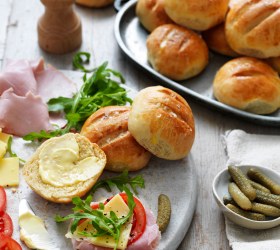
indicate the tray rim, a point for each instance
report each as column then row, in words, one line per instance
column 255, row 118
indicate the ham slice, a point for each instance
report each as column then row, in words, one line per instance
column 53, row 83
column 32, row 85
column 148, row 241
column 20, row 115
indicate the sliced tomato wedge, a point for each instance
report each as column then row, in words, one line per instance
column 139, row 218
column 6, row 225
column 7, row 243
column 3, row 199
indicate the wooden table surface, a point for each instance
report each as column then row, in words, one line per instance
column 18, row 40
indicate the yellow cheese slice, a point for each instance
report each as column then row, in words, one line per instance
column 9, row 171
column 3, row 149
column 4, row 137
column 120, row 208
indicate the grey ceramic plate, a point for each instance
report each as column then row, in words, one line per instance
column 177, row 179
column 131, row 37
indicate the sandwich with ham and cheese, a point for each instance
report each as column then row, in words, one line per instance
column 120, row 222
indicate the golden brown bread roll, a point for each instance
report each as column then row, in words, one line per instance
column 176, row 52
column 198, row 15
column 95, row 3
column 151, row 13
column 215, row 38
column 274, row 62
column 107, row 127
column 252, row 28
column 248, row 84
column 64, row 193
column 162, row 122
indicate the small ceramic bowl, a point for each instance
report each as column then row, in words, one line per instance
column 220, row 189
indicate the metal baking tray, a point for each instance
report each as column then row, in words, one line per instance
column 131, row 38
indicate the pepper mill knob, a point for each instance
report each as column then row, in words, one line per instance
column 59, row 28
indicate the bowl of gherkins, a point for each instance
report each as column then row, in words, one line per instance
column 249, row 196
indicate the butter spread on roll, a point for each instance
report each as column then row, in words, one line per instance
column 64, row 167
column 60, row 157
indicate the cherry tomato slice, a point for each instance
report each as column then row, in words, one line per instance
column 139, row 218
column 6, row 224
column 7, row 243
column 3, row 199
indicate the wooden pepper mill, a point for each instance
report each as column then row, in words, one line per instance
column 59, row 29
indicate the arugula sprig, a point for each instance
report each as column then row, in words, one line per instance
column 100, row 89
column 11, row 152
column 104, row 225
column 121, row 181
column 81, row 58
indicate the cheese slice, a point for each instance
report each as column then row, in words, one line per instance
column 3, row 149
column 33, row 231
column 4, row 137
column 9, row 171
column 117, row 205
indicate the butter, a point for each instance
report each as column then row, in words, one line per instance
column 59, row 163
column 120, row 208
column 33, row 231
column 9, row 171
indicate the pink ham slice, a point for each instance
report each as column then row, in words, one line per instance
column 148, row 241
column 53, row 83
column 20, row 115
column 19, row 76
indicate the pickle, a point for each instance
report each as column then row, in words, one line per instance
column 260, row 187
column 239, row 197
column 164, row 212
column 249, row 215
column 242, row 182
column 265, row 209
column 259, row 177
column 229, row 200
column 269, row 199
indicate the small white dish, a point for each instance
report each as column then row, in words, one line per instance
column 220, row 189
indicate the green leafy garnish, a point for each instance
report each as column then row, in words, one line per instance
column 10, row 151
column 103, row 225
column 99, row 90
column 78, row 61
column 121, row 181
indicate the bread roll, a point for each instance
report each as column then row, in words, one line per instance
column 274, row 62
column 63, row 194
column 95, row 3
column 151, row 13
column 215, row 38
column 162, row 122
column 198, row 15
column 176, row 52
column 248, row 84
column 252, row 28
column 108, row 128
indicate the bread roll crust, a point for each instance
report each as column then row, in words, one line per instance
column 248, row 84
column 274, row 62
column 108, row 127
column 176, row 52
column 198, row 15
column 215, row 38
column 151, row 14
column 252, row 28
column 62, row 194
column 162, row 122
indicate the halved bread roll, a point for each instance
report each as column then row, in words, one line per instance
column 108, row 127
column 162, row 122
column 274, row 62
column 252, row 28
column 248, row 84
column 47, row 177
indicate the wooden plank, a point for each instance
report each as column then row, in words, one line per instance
column 5, row 11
